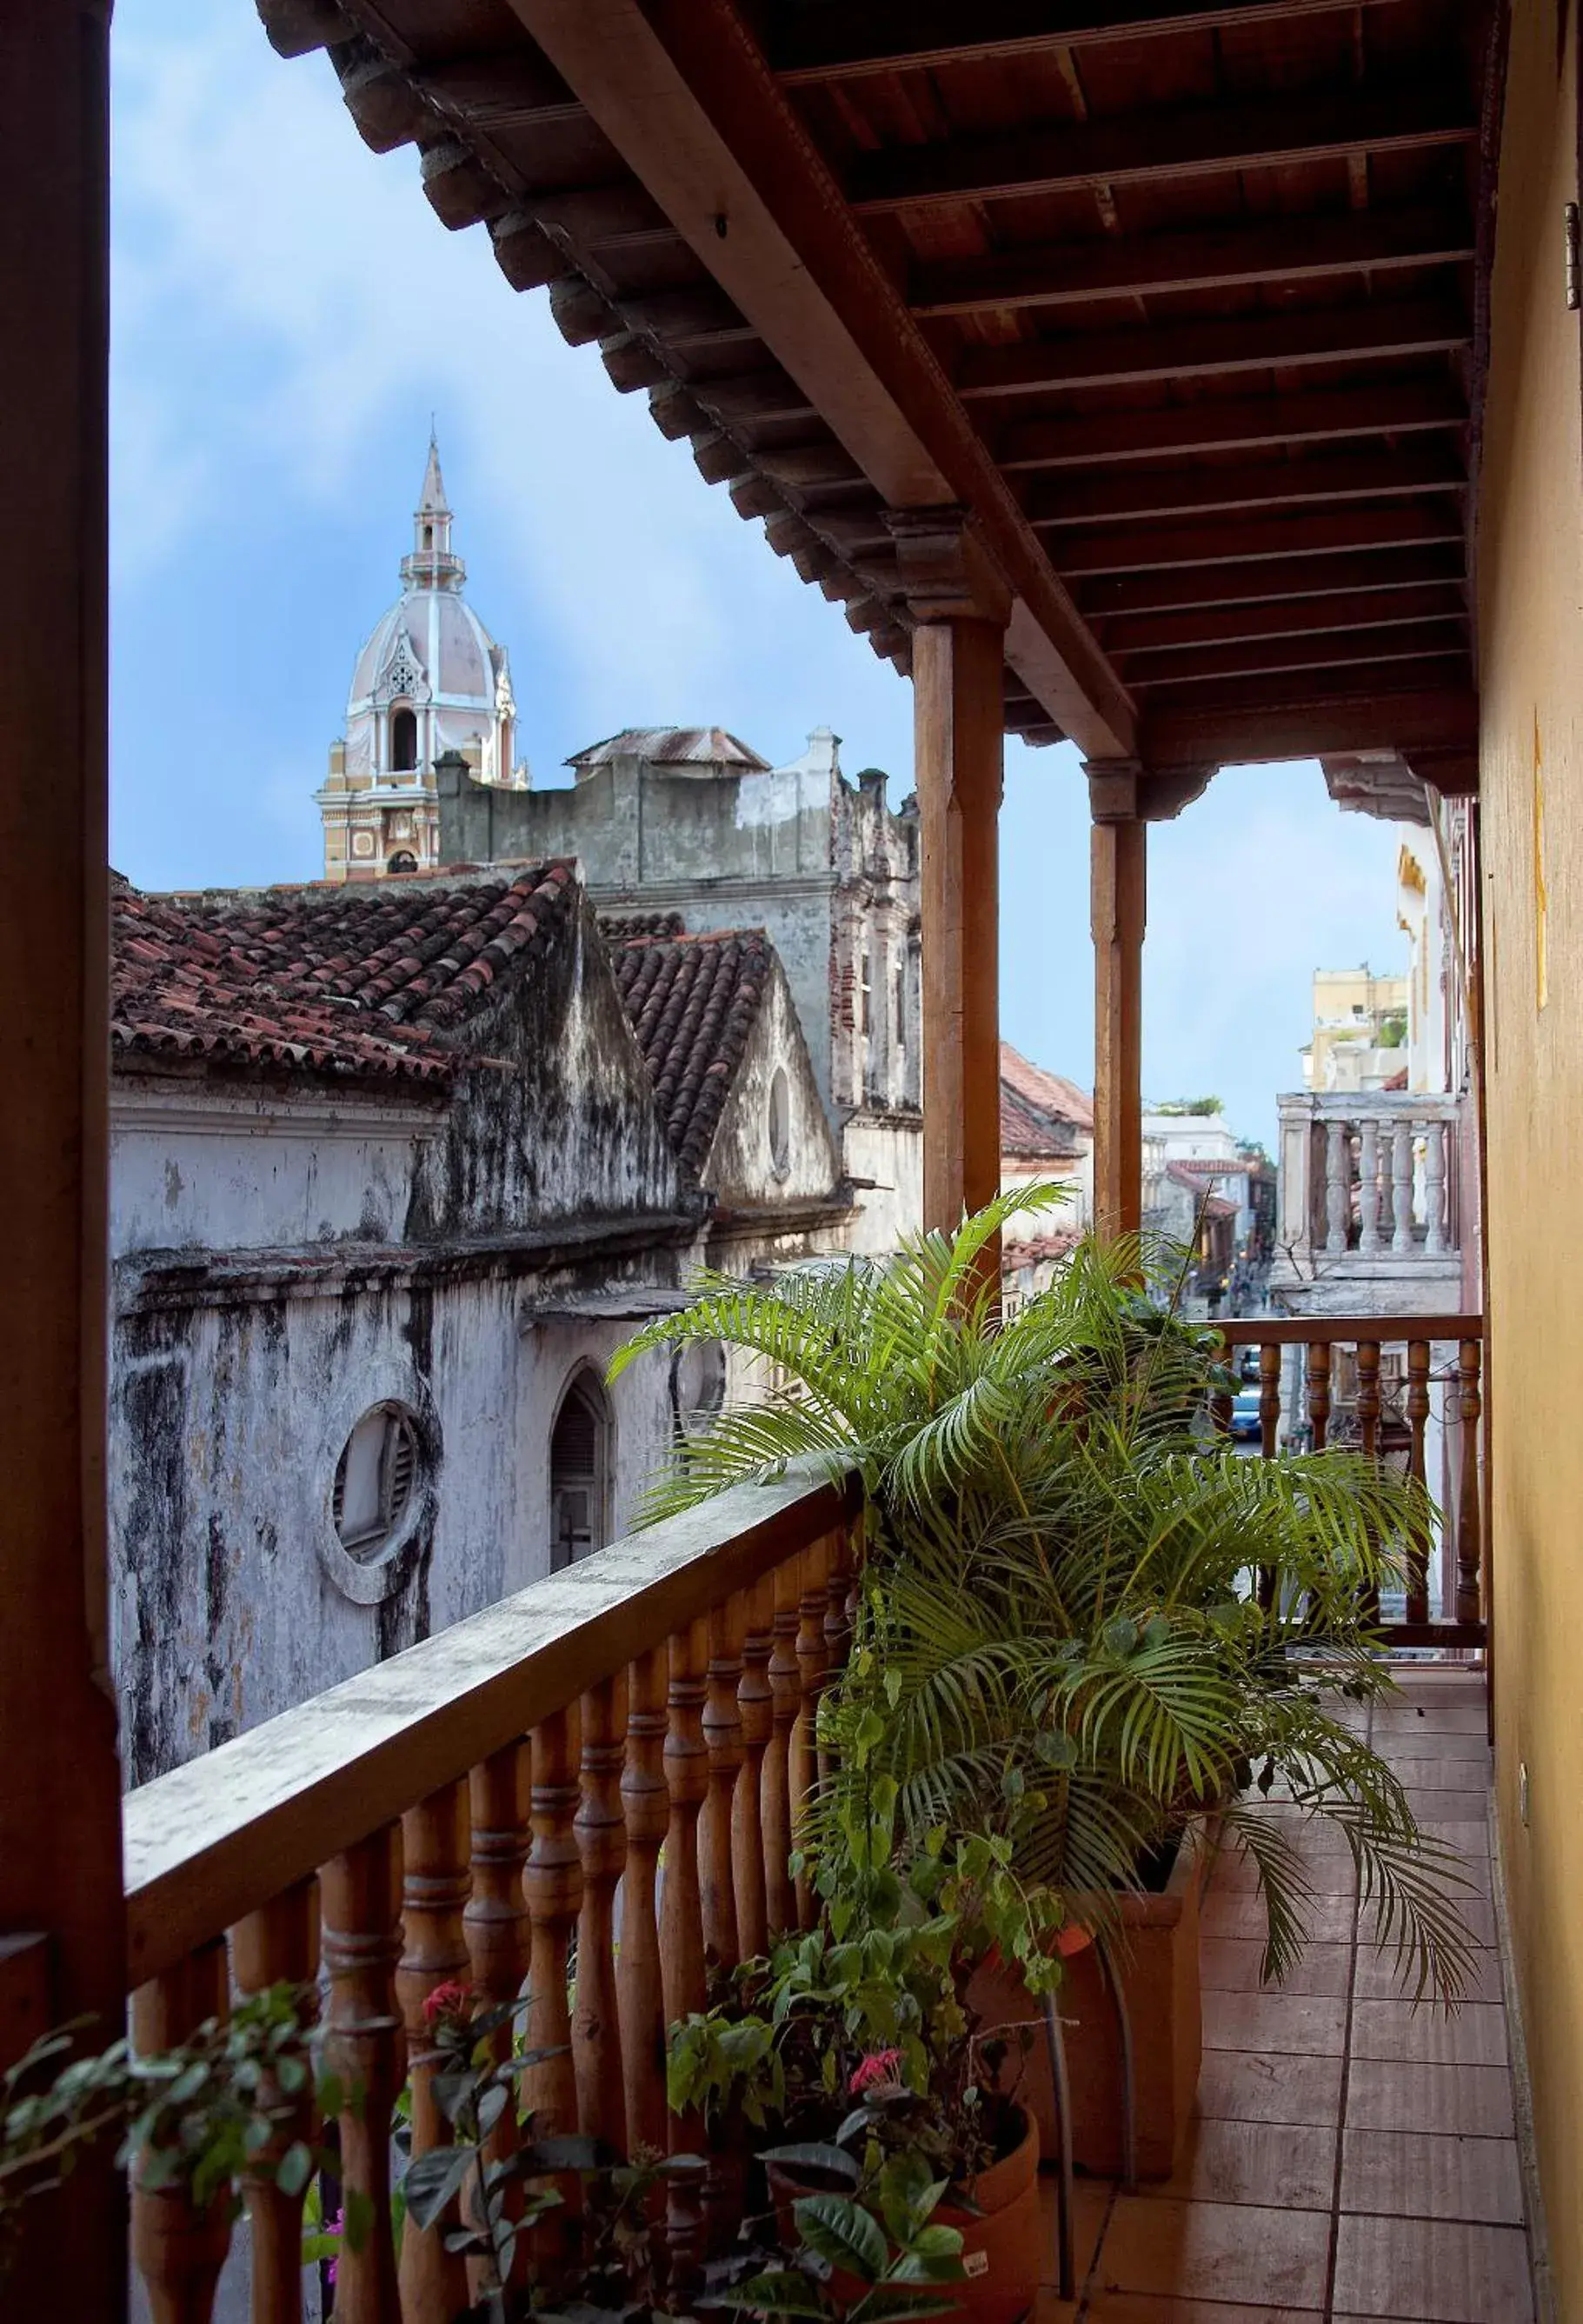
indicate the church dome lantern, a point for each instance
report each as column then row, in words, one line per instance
column 429, row 678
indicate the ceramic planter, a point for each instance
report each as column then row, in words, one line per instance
column 1004, row 2244
column 1159, row 1969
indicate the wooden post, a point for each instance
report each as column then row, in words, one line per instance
column 962, row 608
column 60, row 1782
column 1118, row 894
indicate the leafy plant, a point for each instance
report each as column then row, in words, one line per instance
column 883, row 2240
column 1084, row 1619
column 197, row 2117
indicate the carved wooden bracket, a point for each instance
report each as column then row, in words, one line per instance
column 945, row 572
column 1124, row 790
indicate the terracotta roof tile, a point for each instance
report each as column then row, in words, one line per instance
column 366, row 981
column 621, row 928
column 694, row 1001
column 1032, row 1133
column 1052, row 1093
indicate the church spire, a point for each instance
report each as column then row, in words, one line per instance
column 432, row 564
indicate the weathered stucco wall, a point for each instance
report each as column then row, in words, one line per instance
column 741, row 1168
column 1531, row 652
column 231, row 1597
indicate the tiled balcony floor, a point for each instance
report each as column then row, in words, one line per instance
column 1353, row 2160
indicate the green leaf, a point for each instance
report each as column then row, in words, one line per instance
column 295, row 2168
column 811, row 2155
column 434, row 2180
column 844, row 2234
column 779, row 2292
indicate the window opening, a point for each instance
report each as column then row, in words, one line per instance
column 404, row 741
column 578, row 1462
column 374, row 1480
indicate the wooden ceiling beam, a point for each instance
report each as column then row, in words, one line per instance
column 1269, row 132
column 842, row 41
column 1206, row 258
column 1326, row 650
column 682, row 91
column 1368, row 332
column 1390, row 709
column 1125, row 495
column 1190, row 589
column 1430, row 521
column 1133, row 640
column 1391, row 408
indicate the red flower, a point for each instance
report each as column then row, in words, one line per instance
column 878, row 2066
column 447, row 2000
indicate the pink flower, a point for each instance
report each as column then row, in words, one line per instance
column 447, row 2000
column 337, row 2228
column 878, row 2066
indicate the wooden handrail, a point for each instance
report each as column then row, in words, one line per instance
column 219, row 1838
column 1330, row 1331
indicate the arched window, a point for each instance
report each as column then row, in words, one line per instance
column 404, row 740
column 403, row 859
column 579, row 1458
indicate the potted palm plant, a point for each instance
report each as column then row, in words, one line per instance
column 1084, row 1621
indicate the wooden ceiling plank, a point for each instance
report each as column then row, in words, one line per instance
column 1377, row 330
column 1430, row 521
column 1404, row 714
column 843, row 42
column 1134, row 639
column 1282, row 250
column 1328, row 650
column 1390, row 408
column 1269, row 132
column 683, row 93
column 1120, row 496
column 1188, row 590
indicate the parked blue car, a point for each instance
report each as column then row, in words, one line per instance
column 1246, row 1425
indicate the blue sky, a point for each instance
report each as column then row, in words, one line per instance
column 288, row 312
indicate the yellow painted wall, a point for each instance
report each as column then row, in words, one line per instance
column 1531, row 652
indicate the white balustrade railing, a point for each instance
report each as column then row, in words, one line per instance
column 1370, row 1174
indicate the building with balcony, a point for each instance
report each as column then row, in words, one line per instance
column 1192, row 387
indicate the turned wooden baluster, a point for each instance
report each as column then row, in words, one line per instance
column 754, row 1702
column 1368, row 1429
column 645, row 1802
column 1318, row 1392
column 1269, row 1422
column 723, row 1736
column 1221, row 1400
column 435, row 1888
column 785, row 1689
column 681, row 1909
column 1469, row 1520
column 179, row 2250
column 278, row 1945
column 359, row 1899
column 497, row 1928
column 838, row 1621
column 812, row 1602
column 1417, row 1420
column 552, row 1884
column 602, row 1845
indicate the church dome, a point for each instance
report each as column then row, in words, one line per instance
column 428, row 679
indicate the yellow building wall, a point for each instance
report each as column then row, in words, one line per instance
column 1531, row 656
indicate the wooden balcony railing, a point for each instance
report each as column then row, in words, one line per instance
column 1387, row 1387
column 467, row 1810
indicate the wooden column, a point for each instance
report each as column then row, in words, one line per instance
column 962, row 609
column 59, row 1782
column 1116, row 894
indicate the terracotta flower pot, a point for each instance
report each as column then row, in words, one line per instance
column 1005, row 2248
column 1157, row 1956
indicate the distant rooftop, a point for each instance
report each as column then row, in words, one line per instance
column 672, row 746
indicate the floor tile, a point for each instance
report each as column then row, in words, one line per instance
column 1313, row 2024
column 1090, row 2209
column 1405, row 2173
column 1243, row 2086
column 1231, row 2252
column 1288, row 2165
column 1467, row 2101
column 1328, row 1872
column 1449, row 1806
column 1478, row 1912
column 1434, row 1774
column 1231, row 1965
column 1135, row 2308
column 1473, row 2035
column 1379, row 1980
column 1427, row 1719
column 1327, row 1920
column 1432, row 2269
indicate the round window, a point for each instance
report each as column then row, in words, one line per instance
column 375, row 1478
column 780, row 1123
column 698, row 1382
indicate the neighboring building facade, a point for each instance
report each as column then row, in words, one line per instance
column 429, row 678
column 691, row 820
column 1359, row 1030
column 394, row 1171
column 1046, row 1132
